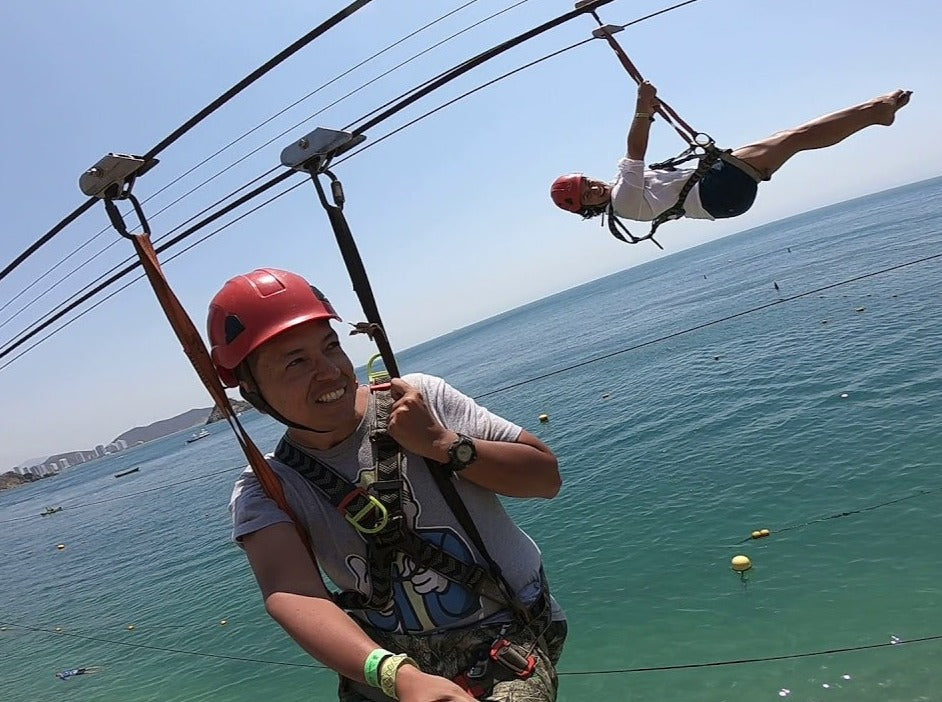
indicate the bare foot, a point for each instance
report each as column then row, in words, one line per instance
column 887, row 105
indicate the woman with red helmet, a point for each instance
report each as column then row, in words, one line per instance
column 417, row 618
column 726, row 190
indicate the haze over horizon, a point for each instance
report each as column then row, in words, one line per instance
column 451, row 215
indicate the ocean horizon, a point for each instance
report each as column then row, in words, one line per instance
column 786, row 377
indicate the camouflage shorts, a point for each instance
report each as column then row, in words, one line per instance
column 451, row 653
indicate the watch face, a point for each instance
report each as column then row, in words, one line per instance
column 464, row 452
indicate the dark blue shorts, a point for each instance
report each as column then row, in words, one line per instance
column 726, row 191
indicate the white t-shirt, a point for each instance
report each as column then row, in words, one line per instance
column 642, row 195
column 423, row 600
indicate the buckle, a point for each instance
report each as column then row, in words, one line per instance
column 372, row 505
column 510, row 658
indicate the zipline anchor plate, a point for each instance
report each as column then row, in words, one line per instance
column 113, row 175
column 600, row 32
column 314, row 151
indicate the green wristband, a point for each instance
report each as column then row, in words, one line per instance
column 372, row 665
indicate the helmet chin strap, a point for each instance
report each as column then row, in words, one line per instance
column 255, row 398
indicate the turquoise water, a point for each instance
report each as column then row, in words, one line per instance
column 672, row 452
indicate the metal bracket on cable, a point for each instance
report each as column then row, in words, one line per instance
column 314, row 152
column 113, row 176
column 606, row 29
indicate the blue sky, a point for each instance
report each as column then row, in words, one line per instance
column 451, row 215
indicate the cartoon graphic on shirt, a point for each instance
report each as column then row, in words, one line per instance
column 422, row 599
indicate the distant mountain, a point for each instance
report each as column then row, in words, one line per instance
column 192, row 418
column 12, row 480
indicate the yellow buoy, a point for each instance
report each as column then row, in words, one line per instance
column 757, row 535
column 544, row 417
column 130, row 627
column 741, row 563
column 60, row 546
column 223, row 622
column 764, row 532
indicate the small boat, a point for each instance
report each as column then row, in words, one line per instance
column 50, row 510
column 127, row 472
column 202, row 434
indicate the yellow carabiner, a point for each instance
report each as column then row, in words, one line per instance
column 376, row 377
column 373, row 504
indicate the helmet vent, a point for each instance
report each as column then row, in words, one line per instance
column 234, row 327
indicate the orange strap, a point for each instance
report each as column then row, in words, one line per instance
column 665, row 110
column 199, row 357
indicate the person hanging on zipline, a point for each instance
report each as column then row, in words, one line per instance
column 395, row 488
column 727, row 187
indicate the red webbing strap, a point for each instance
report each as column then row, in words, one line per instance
column 665, row 110
column 195, row 350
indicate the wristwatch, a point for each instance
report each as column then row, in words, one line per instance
column 461, row 453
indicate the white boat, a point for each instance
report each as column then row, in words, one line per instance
column 202, row 434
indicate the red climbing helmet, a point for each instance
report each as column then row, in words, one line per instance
column 567, row 191
column 252, row 308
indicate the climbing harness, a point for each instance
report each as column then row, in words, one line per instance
column 376, row 513
column 699, row 146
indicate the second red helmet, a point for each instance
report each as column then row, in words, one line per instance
column 567, row 190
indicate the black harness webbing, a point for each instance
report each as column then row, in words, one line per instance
column 376, row 513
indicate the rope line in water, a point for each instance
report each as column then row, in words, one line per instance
column 611, row 671
column 556, row 372
column 711, row 323
column 848, row 513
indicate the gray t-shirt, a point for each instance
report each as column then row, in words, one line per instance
column 423, row 600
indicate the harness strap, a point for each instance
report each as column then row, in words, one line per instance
column 676, row 211
column 376, row 514
column 686, row 132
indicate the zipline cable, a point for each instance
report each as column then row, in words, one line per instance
column 425, row 89
column 464, row 67
column 259, row 148
column 328, row 24
column 128, row 259
column 612, row 671
column 128, row 269
column 281, row 177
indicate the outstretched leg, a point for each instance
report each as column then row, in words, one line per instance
column 770, row 154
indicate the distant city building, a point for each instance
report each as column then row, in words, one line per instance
column 63, row 463
column 121, row 444
column 100, row 450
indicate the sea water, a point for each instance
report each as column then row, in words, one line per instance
column 787, row 378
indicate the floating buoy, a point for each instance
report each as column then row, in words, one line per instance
column 58, row 629
column 130, row 627
column 544, row 417
column 757, row 534
column 605, row 395
column 741, row 563
column 860, row 309
column 844, row 394
column 764, row 532
column 223, row 622
column 60, row 546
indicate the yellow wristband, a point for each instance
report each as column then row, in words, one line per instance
column 388, row 671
